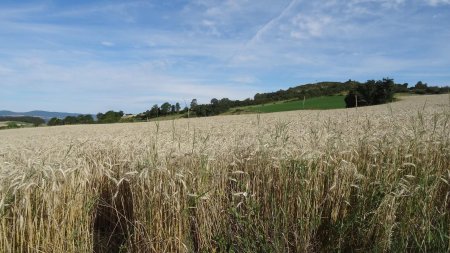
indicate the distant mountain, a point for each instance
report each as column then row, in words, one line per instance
column 41, row 114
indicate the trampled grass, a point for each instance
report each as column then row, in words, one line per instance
column 373, row 179
column 326, row 102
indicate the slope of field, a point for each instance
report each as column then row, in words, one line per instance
column 367, row 179
column 326, row 102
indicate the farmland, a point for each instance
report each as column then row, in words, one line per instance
column 325, row 102
column 362, row 179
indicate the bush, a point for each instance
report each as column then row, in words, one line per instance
column 12, row 125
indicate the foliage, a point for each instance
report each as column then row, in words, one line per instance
column 109, row 117
column 423, row 88
column 36, row 121
column 307, row 90
column 55, row 122
column 371, row 93
column 165, row 109
column 72, row 120
column 12, row 125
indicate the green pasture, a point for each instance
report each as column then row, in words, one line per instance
column 317, row 103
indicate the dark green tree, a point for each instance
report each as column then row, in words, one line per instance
column 165, row 108
column 109, row 117
column 55, row 122
column 70, row 120
column 85, row 119
column 154, row 112
column 194, row 104
column 371, row 93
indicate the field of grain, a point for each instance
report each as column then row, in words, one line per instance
column 365, row 179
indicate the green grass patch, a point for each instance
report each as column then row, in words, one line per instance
column 404, row 94
column 318, row 103
column 14, row 124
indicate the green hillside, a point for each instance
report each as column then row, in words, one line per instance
column 324, row 102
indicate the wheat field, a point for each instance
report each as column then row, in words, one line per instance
column 370, row 179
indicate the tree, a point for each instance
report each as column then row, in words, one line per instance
column 214, row 101
column 109, row 117
column 384, row 91
column 154, row 112
column 70, row 120
column 194, row 104
column 177, row 107
column 371, row 93
column 165, row 108
column 54, row 122
column 420, row 85
column 85, row 119
column 350, row 99
column 99, row 116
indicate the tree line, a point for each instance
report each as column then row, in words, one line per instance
column 369, row 93
column 108, row 117
column 71, row 120
column 382, row 91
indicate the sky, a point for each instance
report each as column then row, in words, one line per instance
column 93, row 56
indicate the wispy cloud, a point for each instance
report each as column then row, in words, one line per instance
column 437, row 2
column 266, row 27
column 107, row 43
column 309, row 26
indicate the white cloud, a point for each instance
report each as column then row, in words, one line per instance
column 123, row 11
column 107, row 43
column 437, row 2
column 244, row 79
column 5, row 70
column 211, row 26
column 305, row 27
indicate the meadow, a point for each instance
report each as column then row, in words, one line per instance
column 371, row 179
column 324, row 102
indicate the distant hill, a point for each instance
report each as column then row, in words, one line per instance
column 310, row 90
column 41, row 114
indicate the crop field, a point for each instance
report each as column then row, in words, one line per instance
column 372, row 179
column 326, row 102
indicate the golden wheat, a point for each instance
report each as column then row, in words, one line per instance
column 374, row 178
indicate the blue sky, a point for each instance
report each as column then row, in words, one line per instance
column 93, row 56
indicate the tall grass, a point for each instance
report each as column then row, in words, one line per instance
column 358, row 183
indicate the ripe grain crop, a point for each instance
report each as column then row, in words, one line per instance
column 366, row 179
